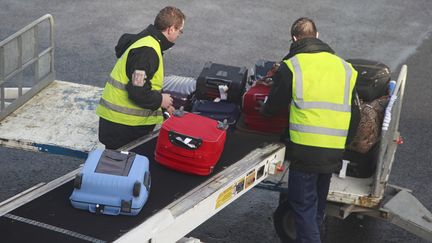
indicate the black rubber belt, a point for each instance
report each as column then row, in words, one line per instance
column 53, row 228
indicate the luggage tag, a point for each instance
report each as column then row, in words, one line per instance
column 223, row 92
column 342, row 172
column 184, row 141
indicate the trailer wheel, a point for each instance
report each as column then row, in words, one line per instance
column 283, row 220
column 136, row 189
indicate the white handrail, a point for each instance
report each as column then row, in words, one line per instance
column 17, row 62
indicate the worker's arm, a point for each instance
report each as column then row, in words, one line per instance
column 146, row 59
column 280, row 92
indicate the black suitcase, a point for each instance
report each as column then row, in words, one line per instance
column 372, row 79
column 361, row 165
column 213, row 75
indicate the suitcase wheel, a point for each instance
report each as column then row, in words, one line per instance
column 126, row 206
column 78, row 181
column 147, row 180
column 136, row 189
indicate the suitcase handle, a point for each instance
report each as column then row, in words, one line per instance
column 260, row 100
column 118, row 156
column 184, row 141
column 114, row 155
column 217, row 81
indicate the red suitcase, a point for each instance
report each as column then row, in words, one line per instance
column 251, row 112
column 190, row 143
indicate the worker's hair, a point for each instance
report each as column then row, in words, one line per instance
column 168, row 17
column 303, row 27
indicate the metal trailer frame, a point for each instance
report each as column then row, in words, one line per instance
column 373, row 196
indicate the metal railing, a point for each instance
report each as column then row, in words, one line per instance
column 389, row 136
column 19, row 53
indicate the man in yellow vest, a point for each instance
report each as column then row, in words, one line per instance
column 132, row 101
column 318, row 87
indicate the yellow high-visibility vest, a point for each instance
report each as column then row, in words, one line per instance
column 115, row 106
column 320, row 110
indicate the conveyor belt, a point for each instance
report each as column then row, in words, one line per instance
column 51, row 218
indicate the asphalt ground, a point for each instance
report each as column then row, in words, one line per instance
column 239, row 33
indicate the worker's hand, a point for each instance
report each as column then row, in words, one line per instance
column 262, row 109
column 264, row 81
column 167, row 101
column 170, row 109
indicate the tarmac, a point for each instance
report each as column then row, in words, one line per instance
column 240, row 33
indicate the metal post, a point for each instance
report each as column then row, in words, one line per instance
column 2, row 68
column 20, row 64
column 35, row 55
column 51, row 20
column 388, row 140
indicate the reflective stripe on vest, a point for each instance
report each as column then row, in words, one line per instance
column 129, row 111
column 117, row 84
column 121, row 86
column 345, row 107
column 319, row 130
column 319, row 118
column 115, row 104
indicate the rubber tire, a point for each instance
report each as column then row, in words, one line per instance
column 283, row 220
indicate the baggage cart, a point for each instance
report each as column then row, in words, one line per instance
column 372, row 196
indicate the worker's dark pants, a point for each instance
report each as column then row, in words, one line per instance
column 307, row 194
column 114, row 135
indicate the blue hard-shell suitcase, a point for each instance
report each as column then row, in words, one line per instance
column 112, row 182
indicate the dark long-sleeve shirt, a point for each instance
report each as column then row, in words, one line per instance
column 280, row 94
column 146, row 59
